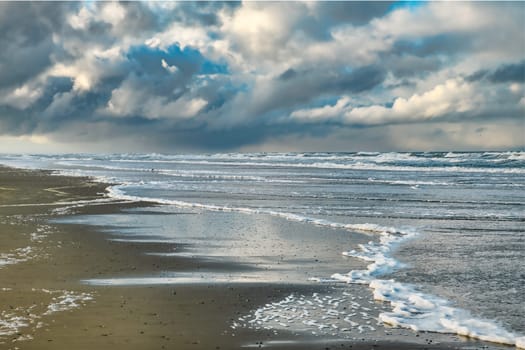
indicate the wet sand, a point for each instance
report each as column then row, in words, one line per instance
column 41, row 287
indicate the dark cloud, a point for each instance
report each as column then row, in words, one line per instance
column 12, row 123
column 217, row 91
column 205, row 13
column 158, row 135
column 26, row 38
column 139, row 18
column 333, row 13
column 54, row 86
column 400, row 83
column 478, row 75
column 404, row 66
column 431, row 45
column 242, row 136
column 354, row 12
column 20, row 63
column 288, row 74
column 424, row 55
column 358, row 80
column 304, row 87
column 506, row 73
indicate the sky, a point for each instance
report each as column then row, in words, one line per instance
column 179, row 77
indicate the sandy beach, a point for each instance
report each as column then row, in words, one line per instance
column 45, row 305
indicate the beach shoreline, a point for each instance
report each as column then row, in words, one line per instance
column 49, row 306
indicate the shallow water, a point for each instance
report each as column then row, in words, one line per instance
column 447, row 226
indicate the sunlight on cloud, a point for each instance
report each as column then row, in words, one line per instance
column 23, row 96
column 184, row 36
column 166, row 66
column 454, row 96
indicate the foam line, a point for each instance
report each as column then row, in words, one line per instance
column 117, row 193
column 350, row 166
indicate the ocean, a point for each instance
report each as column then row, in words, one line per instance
column 436, row 238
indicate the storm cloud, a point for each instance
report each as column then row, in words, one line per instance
column 512, row 72
column 214, row 76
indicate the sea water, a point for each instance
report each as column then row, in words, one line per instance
column 438, row 237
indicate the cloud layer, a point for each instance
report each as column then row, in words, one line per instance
column 193, row 76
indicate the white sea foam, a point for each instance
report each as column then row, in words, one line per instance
column 411, row 308
column 423, row 312
column 359, row 161
column 15, row 319
column 16, row 256
column 337, row 315
column 453, row 155
column 410, row 182
column 394, row 157
column 277, row 159
column 517, row 156
column 80, row 204
column 359, row 165
column 11, row 323
column 67, row 300
column 210, row 175
column 40, row 234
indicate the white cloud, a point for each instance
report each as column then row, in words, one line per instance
column 431, row 19
column 452, row 97
column 166, row 66
column 180, row 34
column 516, row 88
column 109, row 12
column 87, row 70
column 130, row 101
column 113, row 13
column 61, row 104
column 80, row 20
column 490, row 30
column 182, row 108
column 320, row 114
column 260, row 28
column 23, row 96
column 125, row 101
column 270, row 39
column 82, row 77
